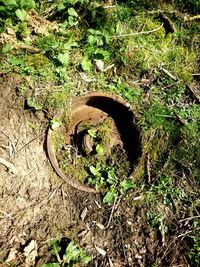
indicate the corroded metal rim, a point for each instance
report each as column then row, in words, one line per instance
column 77, row 102
column 54, row 163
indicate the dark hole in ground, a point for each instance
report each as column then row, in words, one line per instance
column 125, row 122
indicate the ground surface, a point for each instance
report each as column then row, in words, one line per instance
column 28, row 199
column 37, row 206
column 148, row 53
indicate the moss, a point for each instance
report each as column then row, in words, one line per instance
column 104, row 131
column 58, row 141
column 149, row 51
column 41, row 66
column 77, row 166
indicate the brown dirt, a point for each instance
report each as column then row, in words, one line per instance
column 37, row 206
column 28, row 200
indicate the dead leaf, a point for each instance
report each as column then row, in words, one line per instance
column 12, row 255
column 100, row 250
column 99, row 65
column 30, row 252
column 10, row 31
column 84, row 213
column 85, row 77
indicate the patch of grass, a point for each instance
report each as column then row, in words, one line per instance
column 58, row 97
column 171, row 93
column 131, row 94
column 191, row 5
column 165, row 191
column 152, row 51
column 150, row 70
column 154, row 219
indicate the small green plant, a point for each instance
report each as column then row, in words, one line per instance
column 55, row 123
column 106, row 177
column 92, row 133
column 99, row 149
column 72, row 255
column 154, row 218
column 16, row 9
column 33, row 104
column 194, row 252
column 22, row 90
column 86, row 64
column 165, row 191
column 6, row 48
column 98, row 146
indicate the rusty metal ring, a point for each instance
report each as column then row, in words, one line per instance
column 123, row 115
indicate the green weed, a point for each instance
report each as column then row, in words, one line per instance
column 194, row 253
column 106, row 176
column 16, row 9
column 168, row 117
column 72, row 255
column 165, row 191
column 154, row 218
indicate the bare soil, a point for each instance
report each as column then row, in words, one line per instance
column 37, row 206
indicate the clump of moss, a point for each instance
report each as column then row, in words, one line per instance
column 72, row 158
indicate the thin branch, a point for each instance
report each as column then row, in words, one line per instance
column 188, row 265
column 168, row 73
column 148, row 168
column 122, row 241
column 29, row 48
column 24, row 146
column 11, row 168
column 138, row 33
column 194, row 89
column 111, row 6
column 190, row 218
column 194, row 18
column 185, row 233
column 112, row 211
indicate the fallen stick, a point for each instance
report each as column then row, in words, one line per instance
column 138, row 33
column 168, row 73
column 11, row 168
column 194, row 18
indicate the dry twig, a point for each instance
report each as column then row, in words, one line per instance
column 138, row 33
column 112, row 211
column 24, row 146
column 194, row 18
column 189, row 218
column 11, row 168
column 195, row 90
column 148, row 168
column 168, row 73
